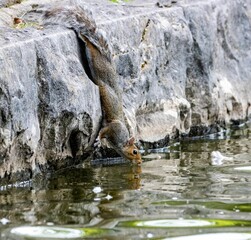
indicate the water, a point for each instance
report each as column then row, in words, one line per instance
column 179, row 192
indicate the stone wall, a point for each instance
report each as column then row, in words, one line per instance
column 184, row 69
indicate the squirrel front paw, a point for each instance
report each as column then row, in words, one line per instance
column 97, row 143
column 101, row 143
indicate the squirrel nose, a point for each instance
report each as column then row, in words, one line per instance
column 139, row 161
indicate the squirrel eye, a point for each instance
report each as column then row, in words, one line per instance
column 135, row 152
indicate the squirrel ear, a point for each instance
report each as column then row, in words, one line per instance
column 131, row 141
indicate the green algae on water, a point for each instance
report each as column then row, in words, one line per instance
column 184, row 223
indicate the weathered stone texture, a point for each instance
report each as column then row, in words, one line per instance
column 49, row 109
column 182, row 68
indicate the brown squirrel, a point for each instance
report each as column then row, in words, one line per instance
column 103, row 74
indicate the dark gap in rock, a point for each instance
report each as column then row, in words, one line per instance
column 75, row 141
column 84, row 59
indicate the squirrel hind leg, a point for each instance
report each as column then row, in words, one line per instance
column 103, row 132
column 104, row 143
column 102, row 137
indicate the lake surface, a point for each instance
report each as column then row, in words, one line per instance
column 194, row 189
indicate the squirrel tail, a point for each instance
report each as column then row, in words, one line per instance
column 79, row 19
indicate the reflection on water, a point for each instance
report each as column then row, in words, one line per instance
column 179, row 185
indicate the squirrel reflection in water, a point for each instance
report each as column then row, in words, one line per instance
column 134, row 177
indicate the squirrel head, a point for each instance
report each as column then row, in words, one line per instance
column 131, row 152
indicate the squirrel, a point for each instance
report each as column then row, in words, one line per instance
column 103, row 74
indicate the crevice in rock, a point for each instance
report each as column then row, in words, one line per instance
column 5, row 115
column 75, row 140
column 43, row 95
column 145, row 30
column 84, row 59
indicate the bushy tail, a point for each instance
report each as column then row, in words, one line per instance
column 81, row 20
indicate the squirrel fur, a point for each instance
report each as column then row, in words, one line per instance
column 103, row 74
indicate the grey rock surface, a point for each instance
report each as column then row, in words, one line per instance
column 184, row 67
column 49, row 109
column 6, row 3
